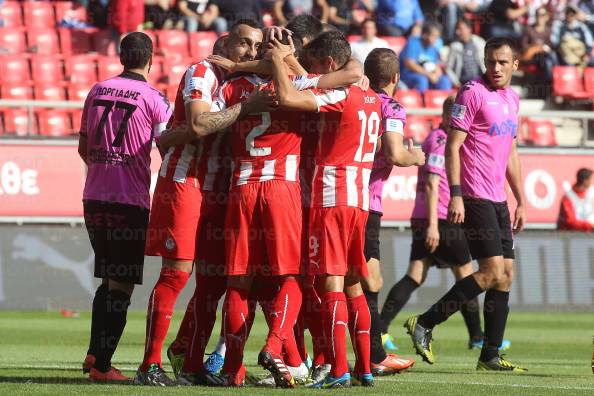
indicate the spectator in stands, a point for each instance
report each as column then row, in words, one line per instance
column 369, row 41
column 125, row 16
column 340, row 14
column 97, row 13
column 160, row 14
column 572, row 39
column 420, row 63
column 191, row 11
column 306, row 26
column 577, row 206
column 537, row 48
column 586, row 14
column 284, row 10
column 466, row 57
column 503, row 19
column 399, row 17
column 220, row 14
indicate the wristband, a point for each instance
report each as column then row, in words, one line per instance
column 455, row 191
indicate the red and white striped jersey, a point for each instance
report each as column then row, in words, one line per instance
column 265, row 146
column 350, row 129
column 181, row 163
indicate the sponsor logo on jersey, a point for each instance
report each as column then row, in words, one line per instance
column 369, row 99
column 507, row 127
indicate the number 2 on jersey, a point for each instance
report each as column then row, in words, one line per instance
column 369, row 127
column 108, row 104
column 250, row 144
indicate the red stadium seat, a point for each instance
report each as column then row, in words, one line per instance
column 17, row 122
column 54, row 122
column 409, row 98
column 109, row 66
column 541, row 133
column 47, row 69
column 568, row 83
column 201, row 44
column 14, row 69
column 18, row 91
column 173, row 42
column 11, row 14
column 171, row 92
column 76, row 116
column 70, row 10
column 49, row 91
column 434, row 98
column 75, row 41
column 156, row 73
column 13, row 40
column 38, row 14
column 354, row 38
column 152, row 35
column 43, row 41
column 417, row 128
column 589, row 80
column 395, row 43
column 81, row 69
column 174, row 71
column 79, row 92
column 104, row 43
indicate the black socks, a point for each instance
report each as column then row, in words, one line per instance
column 397, row 298
column 472, row 318
column 378, row 354
column 116, row 309
column 495, row 313
column 97, row 319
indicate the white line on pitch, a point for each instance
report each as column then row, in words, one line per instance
column 484, row 384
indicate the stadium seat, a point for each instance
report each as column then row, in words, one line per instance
column 69, row 9
column 395, row 43
column 54, row 122
column 78, row 92
column 81, row 69
column 16, row 122
column 38, row 14
column 152, row 35
column 49, row 91
column 75, row 41
column 47, row 69
column 104, row 43
column 568, row 83
column 417, row 128
column 170, row 91
column 18, row 91
column 12, row 40
column 409, row 98
column 109, row 66
column 434, row 98
column 155, row 75
column 173, row 42
column 201, row 44
column 174, row 71
column 76, row 116
column 589, row 80
column 14, row 69
column 541, row 133
column 43, row 41
column 11, row 13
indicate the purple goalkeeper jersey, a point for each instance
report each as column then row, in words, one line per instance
column 393, row 121
column 490, row 118
column 121, row 117
column 434, row 149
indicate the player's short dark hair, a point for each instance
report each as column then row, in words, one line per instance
column 380, row 66
column 249, row 22
column 328, row 27
column 136, row 50
column 430, row 26
column 306, row 26
column 582, row 175
column 297, row 43
column 497, row 42
column 332, row 44
column 218, row 47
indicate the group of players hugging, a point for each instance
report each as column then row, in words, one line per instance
column 270, row 188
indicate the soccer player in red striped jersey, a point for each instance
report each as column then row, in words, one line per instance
column 340, row 199
column 177, row 200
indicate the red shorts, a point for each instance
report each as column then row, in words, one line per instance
column 336, row 240
column 264, row 229
column 173, row 223
column 210, row 240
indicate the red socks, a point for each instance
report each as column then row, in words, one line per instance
column 359, row 327
column 180, row 344
column 312, row 312
column 209, row 289
column 283, row 312
column 336, row 316
column 160, row 310
column 235, row 321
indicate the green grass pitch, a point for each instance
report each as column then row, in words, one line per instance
column 41, row 353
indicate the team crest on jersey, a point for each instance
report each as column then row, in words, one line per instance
column 244, row 94
column 458, row 111
column 441, row 140
column 169, row 244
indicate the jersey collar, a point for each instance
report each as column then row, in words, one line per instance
column 132, row 75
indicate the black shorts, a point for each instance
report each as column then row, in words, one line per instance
column 452, row 249
column 118, row 234
column 372, row 231
column 488, row 228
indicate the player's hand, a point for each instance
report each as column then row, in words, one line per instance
column 456, row 210
column 519, row 219
column 418, row 154
column 223, row 62
column 261, row 101
column 275, row 32
column 281, row 50
column 363, row 83
column 432, row 238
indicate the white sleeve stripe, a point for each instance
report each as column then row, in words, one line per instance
column 187, row 78
column 330, row 97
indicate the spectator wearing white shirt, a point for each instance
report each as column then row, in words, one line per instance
column 368, row 41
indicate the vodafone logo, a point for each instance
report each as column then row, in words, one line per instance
column 540, row 189
column 400, row 188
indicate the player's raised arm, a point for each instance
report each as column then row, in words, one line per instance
column 351, row 73
column 397, row 154
column 513, row 175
